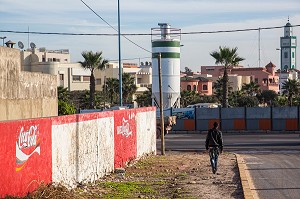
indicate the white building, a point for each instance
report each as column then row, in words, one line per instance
column 56, row 62
column 142, row 75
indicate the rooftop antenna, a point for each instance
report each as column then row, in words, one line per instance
column 28, row 37
column 21, row 45
column 32, row 45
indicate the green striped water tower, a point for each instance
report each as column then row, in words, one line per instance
column 166, row 41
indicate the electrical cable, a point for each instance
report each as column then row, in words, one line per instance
column 143, row 34
column 113, row 27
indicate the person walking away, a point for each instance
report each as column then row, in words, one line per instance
column 214, row 145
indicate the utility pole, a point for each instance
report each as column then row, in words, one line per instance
column 162, row 125
column 258, row 47
column 120, row 64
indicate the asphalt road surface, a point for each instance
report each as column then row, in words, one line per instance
column 273, row 160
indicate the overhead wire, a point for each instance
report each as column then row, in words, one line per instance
column 142, row 34
column 114, row 28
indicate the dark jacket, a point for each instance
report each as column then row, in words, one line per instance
column 214, row 138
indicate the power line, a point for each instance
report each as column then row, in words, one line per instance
column 143, row 34
column 112, row 60
column 113, row 27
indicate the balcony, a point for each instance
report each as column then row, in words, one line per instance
column 143, row 85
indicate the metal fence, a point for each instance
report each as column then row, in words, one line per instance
column 237, row 119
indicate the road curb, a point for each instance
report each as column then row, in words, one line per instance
column 245, row 179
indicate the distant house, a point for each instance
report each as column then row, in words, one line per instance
column 200, row 85
column 265, row 77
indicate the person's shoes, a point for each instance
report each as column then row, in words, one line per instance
column 214, row 170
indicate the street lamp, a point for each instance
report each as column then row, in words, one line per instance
column 120, row 66
column 3, row 40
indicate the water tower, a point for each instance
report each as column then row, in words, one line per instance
column 166, row 41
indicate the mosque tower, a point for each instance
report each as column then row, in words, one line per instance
column 288, row 45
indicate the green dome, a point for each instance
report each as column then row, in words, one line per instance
column 288, row 24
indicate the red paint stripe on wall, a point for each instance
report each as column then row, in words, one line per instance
column 264, row 124
column 26, row 156
column 80, row 117
column 239, row 124
column 189, row 124
column 124, row 137
column 291, row 124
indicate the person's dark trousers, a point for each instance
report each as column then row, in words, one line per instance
column 214, row 154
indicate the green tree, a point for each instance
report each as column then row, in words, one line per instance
column 227, row 57
column 65, row 106
column 248, row 101
column 112, row 88
column 207, row 99
column 144, row 99
column 280, row 101
column 218, row 89
column 291, row 89
column 251, row 89
column 93, row 61
column 267, row 96
column 234, row 97
column 128, row 87
column 188, row 97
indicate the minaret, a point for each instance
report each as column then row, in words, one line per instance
column 288, row 44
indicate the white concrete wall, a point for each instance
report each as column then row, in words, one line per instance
column 82, row 151
column 146, row 132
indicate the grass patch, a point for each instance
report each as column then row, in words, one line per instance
column 127, row 189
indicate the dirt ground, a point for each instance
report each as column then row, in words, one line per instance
column 175, row 175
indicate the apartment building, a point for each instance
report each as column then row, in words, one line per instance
column 56, row 62
column 200, row 85
column 142, row 74
column 265, row 77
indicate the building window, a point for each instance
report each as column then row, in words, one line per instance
column 61, row 77
column 194, row 87
column 210, row 69
column 293, row 55
column 256, row 80
column 86, row 78
column 49, row 59
column 98, row 81
column 286, row 55
column 66, row 60
column 76, row 78
column 189, row 88
column 205, row 87
column 43, row 59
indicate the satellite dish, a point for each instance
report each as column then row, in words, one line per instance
column 32, row 45
column 21, row 45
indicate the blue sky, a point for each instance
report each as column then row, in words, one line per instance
column 139, row 16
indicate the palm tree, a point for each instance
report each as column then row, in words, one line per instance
column 227, row 57
column 218, row 88
column 128, row 87
column 251, row 89
column 145, row 99
column 93, row 61
column 291, row 89
column 112, row 87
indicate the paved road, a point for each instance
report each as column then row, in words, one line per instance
column 273, row 160
column 275, row 176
